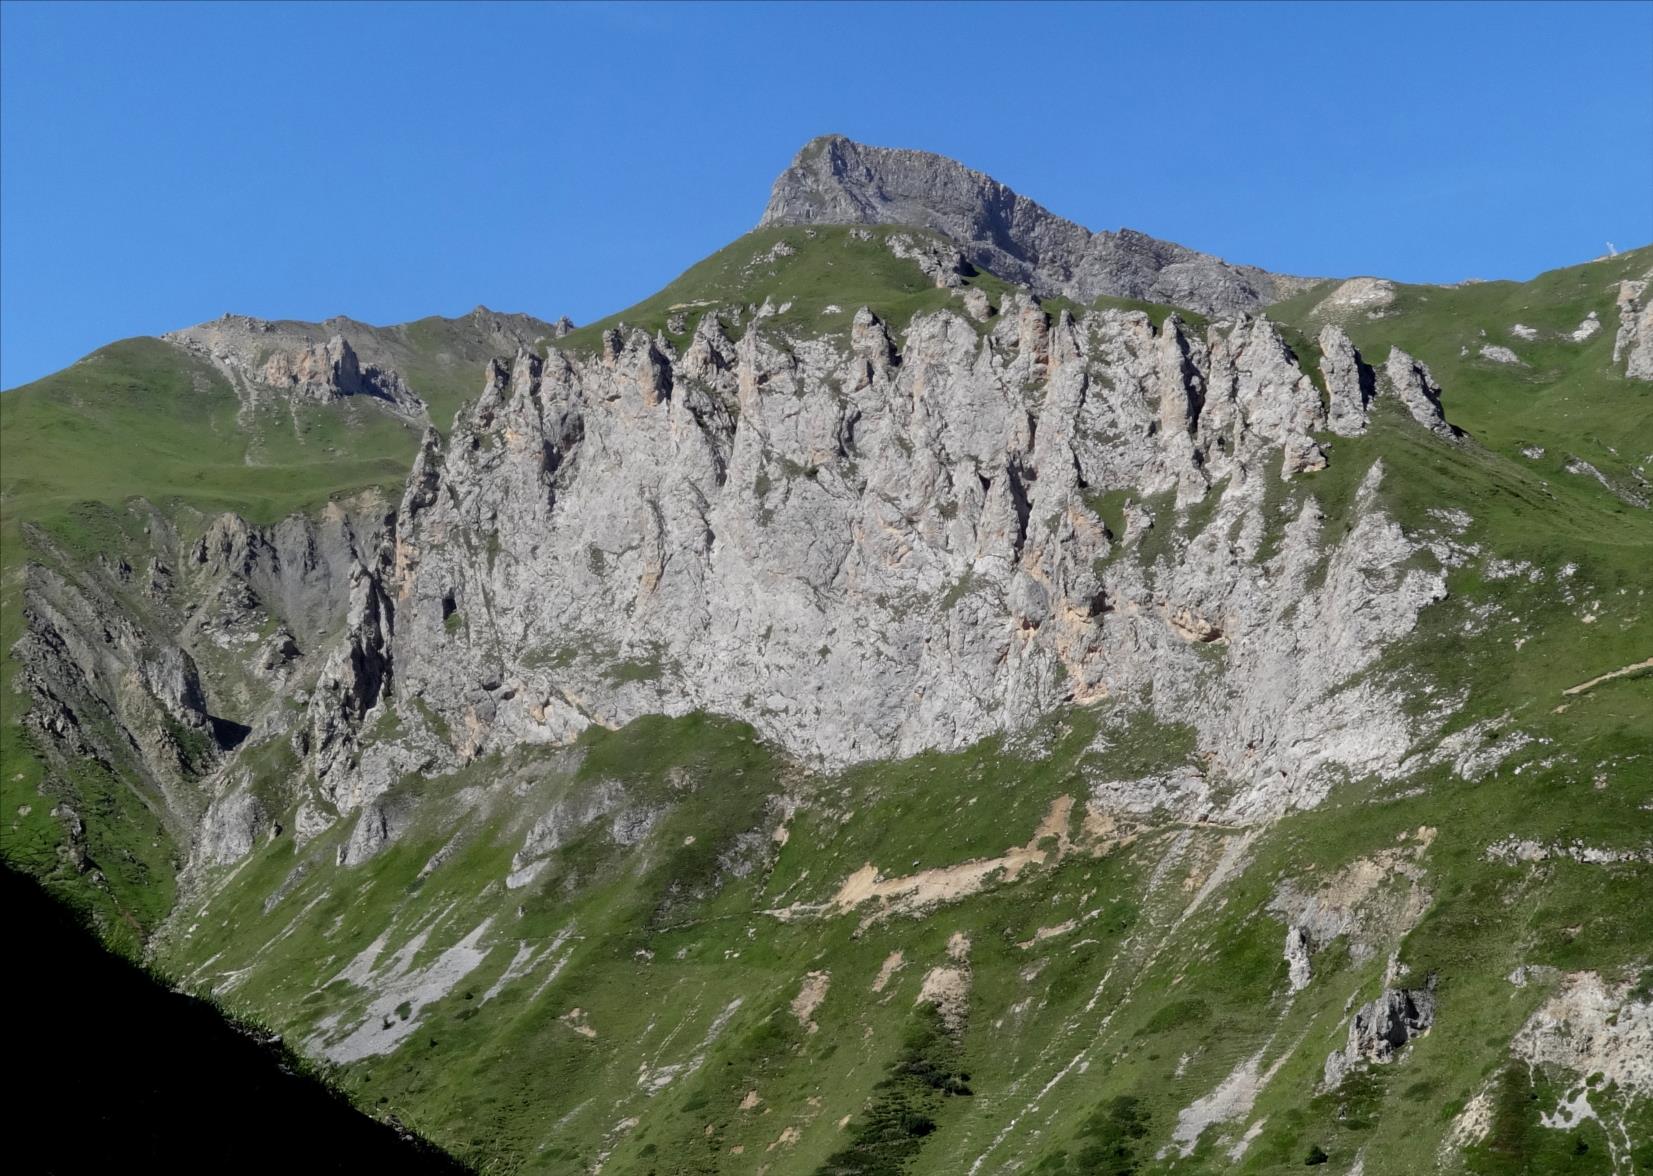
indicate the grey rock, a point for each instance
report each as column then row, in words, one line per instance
column 941, row 263
column 310, row 821
column 1139, row 520
column 355, row 677
column 105, row 686
column 231, row 827
column 865, row 548
column 297, row 570
column 1380, row 1030
column 869, row 550
column 1350, row 383
column 976, row 305
column 1587, row 329
column 836, row 181
column 266, row 361
column 378, row 826
column 1633, row 344
column 569, row 816
column 866, row 545
column 73, row 849
column 161, row 679
column 1368, row 297
column 1299, row 967
column 1411, row 382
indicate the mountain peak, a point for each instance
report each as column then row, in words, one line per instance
column 835, row 180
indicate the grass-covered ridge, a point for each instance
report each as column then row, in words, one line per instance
column 1564, row 396
column 142, row 418
column 814, row 279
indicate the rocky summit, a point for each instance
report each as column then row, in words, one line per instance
column 935, row 689
column 837, row 181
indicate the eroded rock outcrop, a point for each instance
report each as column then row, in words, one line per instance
column 1380, row 1030
column 1357, row 297
column 869, row 550
column 1350, row 384
column 297, row 570
column 1633, row 345
column 356, row 676
column 834, row 180
column 265, row 361
column 160, row 656
column 106, row 687
column 1411, row 382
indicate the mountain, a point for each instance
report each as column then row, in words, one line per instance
column 835, row 181
column 856, row 712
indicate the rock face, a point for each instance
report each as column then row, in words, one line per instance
column 296, row 569
column 836, row 181
column 108, row 688
column 357, row 673
column 265, row 361
column 158, row 672
column 869, row 550
column 1299, row 964
column 1589, row 1027
column 1350, row 384
column 1411, row 382
column 1633, row 345
column 1380, row 1030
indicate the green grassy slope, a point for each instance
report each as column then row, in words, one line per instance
column 806, row 270
column 1080, row 1049
column 1565, row 396
column 1123, row 1021
column 1147, row 1002
column 142, row 418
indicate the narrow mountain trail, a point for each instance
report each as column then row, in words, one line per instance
column 1621, row 672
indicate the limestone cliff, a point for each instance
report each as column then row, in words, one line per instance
column 868, row 549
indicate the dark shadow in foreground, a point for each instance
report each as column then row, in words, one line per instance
column 108, row 1070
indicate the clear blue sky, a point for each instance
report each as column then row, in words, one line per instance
column 160, row 165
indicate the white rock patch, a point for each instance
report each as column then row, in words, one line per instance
column 809, row 998
column 948, row 987
column 1232, row 1099
column 399, row 983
